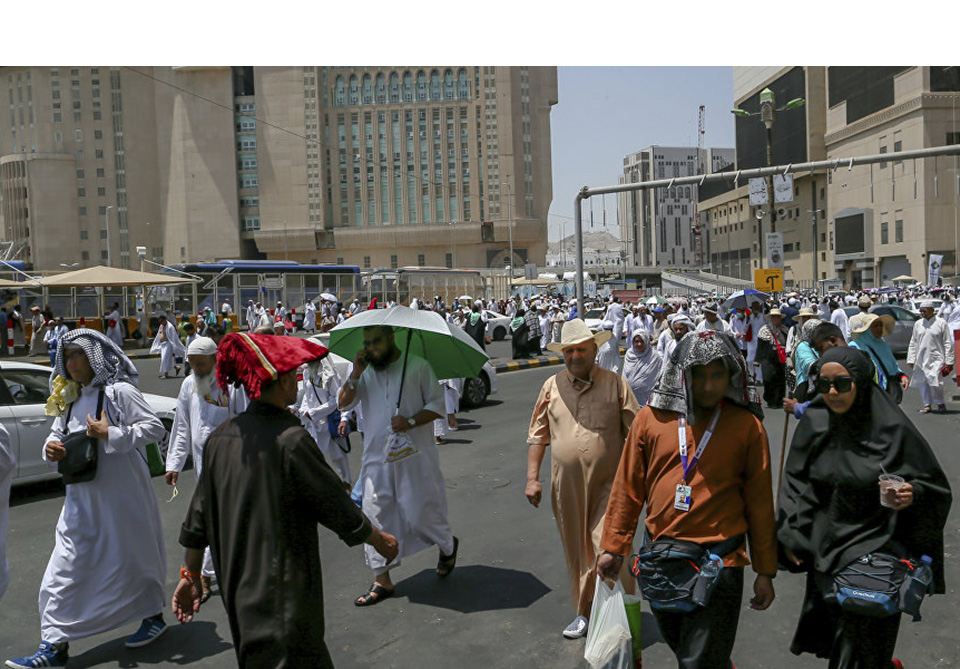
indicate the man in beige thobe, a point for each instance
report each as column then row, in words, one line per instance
column 584, row 414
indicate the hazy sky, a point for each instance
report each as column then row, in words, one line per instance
column 605, row 113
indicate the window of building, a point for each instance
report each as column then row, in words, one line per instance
column 884, row 232
column 101, row 191
column 898, row 230
column 883, row 165
column 393, row 262
column 81, row 192
column 366, row 262
column 100, row 172
column 83, row 212
column 85, row 255
column 421, row 260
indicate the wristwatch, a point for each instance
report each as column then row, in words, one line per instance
column 412, row 421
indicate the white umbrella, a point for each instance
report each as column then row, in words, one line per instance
column 465, row 298
column 329, row 297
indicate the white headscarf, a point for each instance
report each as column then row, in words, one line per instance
column 642, row 370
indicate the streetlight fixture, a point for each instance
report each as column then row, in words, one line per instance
column 768, row 114
column 68, row 266
column 106, row 225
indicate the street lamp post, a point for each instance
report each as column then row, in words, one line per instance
column 768, row 114
column 510, row 224
column 813, row 218
column 453, row 247
column 106, row 224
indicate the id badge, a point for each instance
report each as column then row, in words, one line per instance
column 681, row 500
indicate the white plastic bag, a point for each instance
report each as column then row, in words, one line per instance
column 608, row 637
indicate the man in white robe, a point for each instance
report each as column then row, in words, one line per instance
column 108, row 564
column 253, row 319
column 37, row 326
column 608, row 354
column 8, row 465
column 839, row 318
column 201, row 408
column 115, row 325
column 405, row 496
column 712, row 321
column 931, row 354
column 321, row 383
column 452, row 391
column 755, row 321
column 167, row 343
column 310, row 317
column 280, row 314
column 545, row 327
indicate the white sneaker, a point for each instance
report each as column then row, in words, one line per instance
column 577, row 629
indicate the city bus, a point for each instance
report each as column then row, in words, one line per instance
column 264, row 281
column 423, row 283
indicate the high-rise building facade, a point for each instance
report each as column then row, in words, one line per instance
column 659, row 225
column 377, row 167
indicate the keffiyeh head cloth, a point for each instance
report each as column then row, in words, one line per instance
column 673, row 391
column 108, row 361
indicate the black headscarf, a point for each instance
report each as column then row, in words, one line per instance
column 829, row 507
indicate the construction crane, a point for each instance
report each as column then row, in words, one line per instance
column 697, row 231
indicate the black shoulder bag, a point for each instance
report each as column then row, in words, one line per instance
column 80, row 463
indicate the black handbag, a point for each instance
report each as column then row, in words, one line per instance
column 80, row 463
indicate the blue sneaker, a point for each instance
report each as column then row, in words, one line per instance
column 48, row 655
column 149, row 630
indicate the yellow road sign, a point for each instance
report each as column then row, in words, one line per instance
column 768, row 280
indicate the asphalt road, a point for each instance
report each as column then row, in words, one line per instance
column 507, row 600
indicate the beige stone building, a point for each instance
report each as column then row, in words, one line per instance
column 872, row 223
column 378, row 167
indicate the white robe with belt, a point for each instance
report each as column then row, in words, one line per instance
column 406, row 498
column 318, row 402
column 108, row 564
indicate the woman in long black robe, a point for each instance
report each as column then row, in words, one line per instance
column 830, row 513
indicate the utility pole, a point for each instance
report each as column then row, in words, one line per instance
column 106, row 225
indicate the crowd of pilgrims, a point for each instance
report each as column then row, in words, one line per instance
column 780, row 344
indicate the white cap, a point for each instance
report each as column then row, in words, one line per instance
column 202, row 346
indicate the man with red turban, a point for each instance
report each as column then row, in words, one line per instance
column 265, row 487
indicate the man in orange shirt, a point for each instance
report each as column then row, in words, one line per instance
column 709, row 485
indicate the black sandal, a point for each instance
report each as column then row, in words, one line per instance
column 926, row 409
column 446, row 563
column 376, row 594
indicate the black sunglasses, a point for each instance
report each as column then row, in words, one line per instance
column 843, row 384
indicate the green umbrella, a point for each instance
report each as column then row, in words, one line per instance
column 450, row 352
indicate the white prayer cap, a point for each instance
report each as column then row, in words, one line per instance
column 927, row 304
column 202, row 346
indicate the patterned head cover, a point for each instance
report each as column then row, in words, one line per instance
column 673, row 390
column 108, row 361
column 808, row 328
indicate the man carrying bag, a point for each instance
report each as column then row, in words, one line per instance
column 697, row 456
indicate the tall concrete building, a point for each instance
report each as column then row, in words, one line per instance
column 736, row 229
column 659, row 225
column 377, row 167
column 863, row 226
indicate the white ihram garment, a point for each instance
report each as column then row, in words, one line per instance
column 116, row 332
column 406, row 498
column 168, row 349
column 318, row 402
column 196, row 418
column 108, row 563
column 310, row 316
column 452, row 390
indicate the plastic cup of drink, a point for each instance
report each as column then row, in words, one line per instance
column 889, row 485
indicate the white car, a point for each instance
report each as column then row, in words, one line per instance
column 593, row 318
column 498, row 325
column 475, row 390
column 23, row 396
column 914, row 305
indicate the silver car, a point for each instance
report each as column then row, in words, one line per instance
column 23, row 396
column 899, row 341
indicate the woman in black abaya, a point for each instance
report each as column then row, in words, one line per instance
column 829, row 507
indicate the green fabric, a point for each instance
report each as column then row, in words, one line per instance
column 474, row 317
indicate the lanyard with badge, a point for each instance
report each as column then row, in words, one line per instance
column 682, row 499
